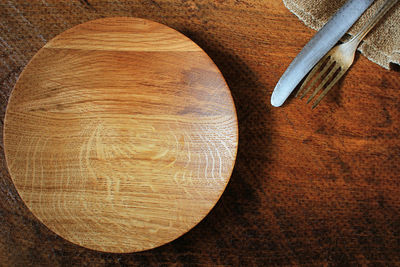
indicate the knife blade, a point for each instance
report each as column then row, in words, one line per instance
column 317, row 47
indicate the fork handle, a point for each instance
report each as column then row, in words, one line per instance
column 373, row 21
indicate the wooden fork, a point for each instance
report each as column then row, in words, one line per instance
column 339, row 59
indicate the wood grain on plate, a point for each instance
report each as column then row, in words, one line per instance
column 120, row 134
column 312, row 188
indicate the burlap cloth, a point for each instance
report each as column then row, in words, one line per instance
column 310, row 188
column 381, row 45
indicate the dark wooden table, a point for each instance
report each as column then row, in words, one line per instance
column 317, row 187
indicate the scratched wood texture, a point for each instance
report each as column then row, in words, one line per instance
column 120, row 134
column 309, row 187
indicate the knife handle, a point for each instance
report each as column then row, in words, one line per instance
column 317, row 47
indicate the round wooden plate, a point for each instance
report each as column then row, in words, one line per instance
column 120, row 134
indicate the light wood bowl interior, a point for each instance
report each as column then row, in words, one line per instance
column 120, row 135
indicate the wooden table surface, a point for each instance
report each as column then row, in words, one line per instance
column 317, row 187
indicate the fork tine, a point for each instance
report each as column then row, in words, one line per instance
column 328, row 88
column 324, row 81
column 310, row 75
column 327, row 60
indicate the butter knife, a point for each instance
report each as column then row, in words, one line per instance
column 317, row 47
